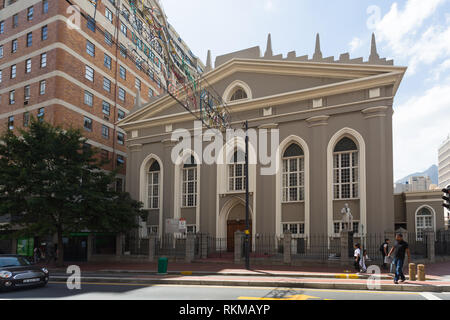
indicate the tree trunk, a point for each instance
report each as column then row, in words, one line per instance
column 60, row 261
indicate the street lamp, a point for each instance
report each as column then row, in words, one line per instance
column 247, row 202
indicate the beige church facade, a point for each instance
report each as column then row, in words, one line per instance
column 334, row 119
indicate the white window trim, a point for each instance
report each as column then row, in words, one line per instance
column 150, row 188
column 433, row 214
column 340, row 168
column 185, row 186
column 299, row 186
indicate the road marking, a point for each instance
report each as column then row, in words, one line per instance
column 430, row 296
column 298, row 297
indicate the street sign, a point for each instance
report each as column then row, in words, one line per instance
column 176, row 226
column 182, row 225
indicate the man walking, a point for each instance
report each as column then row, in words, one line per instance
column 399, row 250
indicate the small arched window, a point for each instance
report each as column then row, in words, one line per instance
column 189, row 185
column 236, row 171
column 424, row 222
column 346, row 169
column 293, row 174
column 239, row 94
column 154, row 176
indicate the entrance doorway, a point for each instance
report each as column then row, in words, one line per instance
column 232, row 228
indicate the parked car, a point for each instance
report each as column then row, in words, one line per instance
column 19, row 272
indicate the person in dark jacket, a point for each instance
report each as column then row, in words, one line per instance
column 398, row 252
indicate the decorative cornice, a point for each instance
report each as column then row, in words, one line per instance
column 135, row 147
column 268, row 126
column 318, row 121
column 169, row 142
column 375, row 112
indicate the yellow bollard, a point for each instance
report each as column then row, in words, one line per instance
column 421, row 272
column 412, row 272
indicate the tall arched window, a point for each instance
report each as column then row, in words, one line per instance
column 293, row 174
column 189, row 187
column 424, row 222
column 239, row 94
column 346, row 170
column 154, row 176
column 236, row 172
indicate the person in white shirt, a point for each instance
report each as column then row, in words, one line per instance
column 357, row 256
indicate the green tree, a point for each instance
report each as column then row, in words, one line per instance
column 51, row 182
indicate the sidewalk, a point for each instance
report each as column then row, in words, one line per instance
column 321, row 277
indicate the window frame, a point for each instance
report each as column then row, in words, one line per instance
column 288, row 172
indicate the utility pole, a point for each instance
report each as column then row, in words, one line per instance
column 247, row 202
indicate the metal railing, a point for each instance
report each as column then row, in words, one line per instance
column 442, row 244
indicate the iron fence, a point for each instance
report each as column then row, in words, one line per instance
column 171, row 245
column 442, row 244
column 316, row 247
column 137, row 246
column 264, row 245
column 219, row 247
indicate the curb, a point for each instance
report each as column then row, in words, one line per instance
column 242, row 283
column 268, row 275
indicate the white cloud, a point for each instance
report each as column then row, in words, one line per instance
column 420, row 125
column 403, row 32
column 355, row 44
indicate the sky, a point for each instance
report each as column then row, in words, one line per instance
column 415, row 33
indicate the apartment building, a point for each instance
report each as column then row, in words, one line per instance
column 444, row 164
column 82, row 63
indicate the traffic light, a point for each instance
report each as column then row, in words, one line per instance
column 446, row 197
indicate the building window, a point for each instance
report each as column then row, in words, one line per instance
column 108, row 38
column 191, row 229
column 150, row 92
column 87, row 124
column 120, row 115
column 42, row 87
column 1, row 51
column 29, row 39
column 120, row 160
column 1, row 76
column 239, row 94
column 11, row 123
column 41, row 114
column 90, row 48
column 105, row 154
column 293, row 174
column 43, row 60
column 189, row 185
column 15, row 20
column 123, row 51
column 424, row 222
column 14, row 46
column 44, row 33
column 30, row 12
column 106, row 108
column 91, row 23
column 2, row 27
column 123, row 28
column 12, row 97
column 107, row 84
column 13, row 71
column 153, row 230
column 26, row 93
column 339, row 226
column 88, row 98
column 294, row 228
column 154, row 185
column 89, row 73
column 105, row 132
column 107, row 61
column 26, row 119
column 122, row 94
column 123, row 72
column 346, row 170
column 236, row 172
column 120, row 138
column 137, row 84
column 28, row 66
column 45, row 6
column 108, row 15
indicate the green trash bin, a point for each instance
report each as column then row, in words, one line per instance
column 162, row 265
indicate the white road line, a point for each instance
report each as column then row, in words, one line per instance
column 430, row 296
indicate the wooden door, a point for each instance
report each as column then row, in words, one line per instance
column 233, row 227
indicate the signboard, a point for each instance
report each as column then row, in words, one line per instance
column 176, row 226
column 25, row 247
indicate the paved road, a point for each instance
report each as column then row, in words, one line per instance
column 90, row 291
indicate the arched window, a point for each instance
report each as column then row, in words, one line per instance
column 239, row 94
column 236, row 172
column 424, row 222
column 154, row 176
column 346, row 170
column 189, row 186
column 293, row 174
